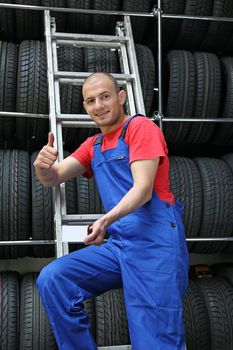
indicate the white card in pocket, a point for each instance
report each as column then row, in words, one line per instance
column 74, row 233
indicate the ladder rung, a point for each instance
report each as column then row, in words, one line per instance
column 91, row 44
column 76, row 121
column 81, row 124
column 80, row 219
column 81, row 76
column 89, row 37
column 74, row 117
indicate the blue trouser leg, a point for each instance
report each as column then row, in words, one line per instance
column 67, row 282
column 155, row 280
column 154, row 308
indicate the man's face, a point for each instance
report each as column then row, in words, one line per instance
column 102, row 102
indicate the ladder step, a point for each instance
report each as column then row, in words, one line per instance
column 81, row 76
column 76, row 120
column 89, row 37
column 74, row 117
column 80, row 219
column 102, row 44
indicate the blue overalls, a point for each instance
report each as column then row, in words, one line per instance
column 146, row 254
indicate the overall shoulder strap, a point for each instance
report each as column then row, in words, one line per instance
column 124, row 129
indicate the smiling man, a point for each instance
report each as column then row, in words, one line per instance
column 146, row 253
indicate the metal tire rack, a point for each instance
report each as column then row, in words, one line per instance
column 158, row 116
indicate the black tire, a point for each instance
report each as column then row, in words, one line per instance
column 185, row 182
column 29, row 24
column 181, row 94
column 111, row 321
column 89, row 306
column 217, row 214
column 105, row 24
column 42, row 214
column 208, row 92
column 89, row 201
column 170, row 27
column 1, row 201
column 224, row 133
column 101, row 60
column 60, row 17
column 192, row 31
column 71, row 193
column 7, row 22
column 15, row 201
column 32, row 94
column 70, row 59
column 78, row 22
column 218, row 296
column 228, row 159
column 43, row 211
column 224, row 270
column 197, row 324
column 146, row 67
column 9, row 306
column 139, row 24
column 218, row 33
column 35, row 329
column 8, row 75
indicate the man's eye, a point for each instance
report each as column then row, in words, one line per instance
column 106, row 97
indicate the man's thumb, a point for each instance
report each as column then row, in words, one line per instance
column 50, row 139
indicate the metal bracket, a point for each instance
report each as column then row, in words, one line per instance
column 120, row 28
column 53, row 25
column 156, row 11
column 157, row 116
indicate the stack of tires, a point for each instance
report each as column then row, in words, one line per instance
column 197, row 75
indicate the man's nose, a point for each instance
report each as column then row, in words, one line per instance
column 98, row 103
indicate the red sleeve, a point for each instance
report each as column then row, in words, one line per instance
column 85, row 154
column 145, row 140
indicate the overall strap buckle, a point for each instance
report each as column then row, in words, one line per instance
column 123, row 132
column 98, row 140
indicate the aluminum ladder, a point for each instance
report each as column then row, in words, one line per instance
column 129, row 79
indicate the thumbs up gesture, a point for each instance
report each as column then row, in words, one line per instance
column 48, row 155
column 50, row 139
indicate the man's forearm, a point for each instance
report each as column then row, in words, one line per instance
column 135, row 198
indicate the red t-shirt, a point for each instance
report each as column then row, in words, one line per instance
column 145, row 141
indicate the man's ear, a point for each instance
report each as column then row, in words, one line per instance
column 84, row 105
column 122, row 96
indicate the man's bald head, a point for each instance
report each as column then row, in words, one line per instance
column 92, row 78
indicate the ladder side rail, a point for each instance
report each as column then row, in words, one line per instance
column 61, row 246
column 130, row 105
column 129, row 88
column 159, row 67
column 138, row 95
column 53, row 127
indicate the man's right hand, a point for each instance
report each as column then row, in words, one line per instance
column 44, row 162
column 47, row 156
column 50, row 173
